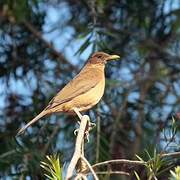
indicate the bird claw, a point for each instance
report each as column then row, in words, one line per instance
column 87, row 136
column 89, row 127
column 76, row 131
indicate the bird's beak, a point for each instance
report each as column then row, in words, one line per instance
column 112, row 57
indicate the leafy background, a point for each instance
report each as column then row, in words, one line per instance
column 43, row 44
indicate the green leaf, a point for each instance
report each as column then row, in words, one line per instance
column 83, row 46
column 175, row 175
column 52, row 167
column 139, row 158
column 137, row 176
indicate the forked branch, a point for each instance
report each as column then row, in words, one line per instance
column 78, row 158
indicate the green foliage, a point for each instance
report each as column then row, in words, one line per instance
column 84, row 45
column 137, row 176
column 52, row 167
column 170, row 135
column 17, row 9
column 175, row 175
column 153, row 164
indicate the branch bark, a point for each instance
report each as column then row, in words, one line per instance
column 79, row 151
column 133, row 162
column 119, row 161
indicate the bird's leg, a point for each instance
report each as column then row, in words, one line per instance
column 89, row 127
column 80, row 117
column 77, row 112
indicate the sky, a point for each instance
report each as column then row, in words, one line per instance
column 61, row 38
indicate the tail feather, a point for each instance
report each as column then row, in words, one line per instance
column 43, row 113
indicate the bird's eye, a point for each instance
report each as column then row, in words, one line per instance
column 99, row 56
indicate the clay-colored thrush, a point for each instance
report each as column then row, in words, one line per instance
column 81, row 93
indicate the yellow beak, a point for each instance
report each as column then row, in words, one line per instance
column 112, row 57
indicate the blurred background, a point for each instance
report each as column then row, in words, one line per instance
column 43, row 44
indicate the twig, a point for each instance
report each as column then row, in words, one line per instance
column 92, row 5
column 113, row 172
column 173, row 154
column 53, row 134
column 119, row 161
column 132, row 162
column 9, row 153
column 80, row 176
column 98, row 137
column 38, row 35
column 78, row 155
column 90, row 167
column 78, row 146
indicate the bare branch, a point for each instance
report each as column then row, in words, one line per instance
column 98, row 137
column 113, row 172
column 133, row 162
column 173, row 154
column 119, row 161
column 90, row 167
column 80, row 176
column 38, row 35
column 78, row 147
column 54, row 133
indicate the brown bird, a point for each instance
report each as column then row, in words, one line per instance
column 82, row 92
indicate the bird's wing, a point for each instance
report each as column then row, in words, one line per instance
column 82, row 83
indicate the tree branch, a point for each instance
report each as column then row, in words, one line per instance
column 119, row 161
column 173, row 154
column 113, row 172
column 78, row 156
column 133, row 162
column 38, row 35
column 54, row 133
column 90, row 167
column 78, row 146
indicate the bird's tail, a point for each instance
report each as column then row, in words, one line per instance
column 40, row 115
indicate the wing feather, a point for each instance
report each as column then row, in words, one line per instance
column 83, row 82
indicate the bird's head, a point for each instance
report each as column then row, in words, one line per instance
column 102, row 58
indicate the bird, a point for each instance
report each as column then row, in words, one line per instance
column 82, row 93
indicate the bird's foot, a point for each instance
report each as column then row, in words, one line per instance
column 89, row 127
column 92, row 125
column 87, row 135
column 76, row 130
